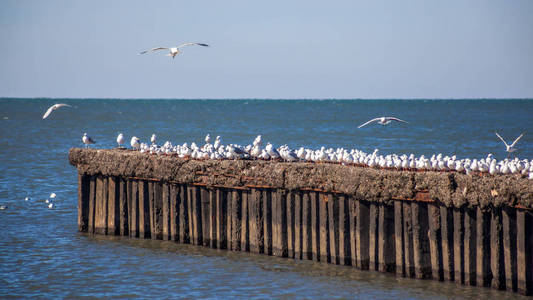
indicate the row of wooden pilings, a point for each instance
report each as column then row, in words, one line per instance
column 417, row 239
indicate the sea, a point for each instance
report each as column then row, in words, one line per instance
column 42, row 255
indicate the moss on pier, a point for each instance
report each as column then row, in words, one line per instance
column 451, row 188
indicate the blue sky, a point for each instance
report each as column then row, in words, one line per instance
column 268, row 49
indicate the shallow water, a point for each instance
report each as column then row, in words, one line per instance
column 44, row 256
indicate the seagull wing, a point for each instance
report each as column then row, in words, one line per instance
column 502, row 139
column 364, row 124
column 153, row 49
column 515, row 141
column 61, row 105
column 396, row 119
column 190, row 44
column 49, row 111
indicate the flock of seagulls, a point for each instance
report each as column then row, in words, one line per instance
column 256, row 151
column 48, row 202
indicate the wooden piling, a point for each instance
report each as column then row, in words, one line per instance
column 496, row 250
column 314, row 198
column 458, row 245
column 290, row 224
column 386, row 239
column 446, row 218
column 151, row 209
column 133, row 208
column 123, row 208
column 158, row 211
column 435, row 242
column 509, row 248
column 213, row 216
column 298, row 225
column 206, row 219
column 408, row 240
column 362, row 215
column 421, row 251
column 524, row 247
column 221, row 201
column 174, row 212
column 100, row 207
column 166, row 211
column 236, row 201
column 245, row 231
column 255, row 215
column 470, row 241
column 279, row 224
column 373, row 237
column 83, row 202
column 306, row 227
column 183, row 224
column 333, row 220
column 352, row 221
column 399, row 238
column 483, row 255
column 267, row 221
column 344, row 231
column 113, row 209
column 323, row 247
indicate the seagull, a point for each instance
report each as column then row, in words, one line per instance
column 173, row 50
column 51, row 205
column 135, row 143
column 383, row 121
column 52, row 108
column 87, row 140
column 120, row 139
column 509, row 148
column 52, row 195
column 2, row 207
column 153, row 138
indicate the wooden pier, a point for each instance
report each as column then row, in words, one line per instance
column 470, row 229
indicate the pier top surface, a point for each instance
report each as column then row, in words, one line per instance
column 451, row 188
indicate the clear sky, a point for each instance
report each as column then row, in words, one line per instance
column 267, row 49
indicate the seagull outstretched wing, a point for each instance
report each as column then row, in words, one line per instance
column 503, row 139
column 515, row 141
column 153, row 49
column 52, row 108
column 364, row 124
column 396, row 119
column 190, row 44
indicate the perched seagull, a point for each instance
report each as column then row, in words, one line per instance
column 382, row 121
column 173, row 50
column 120, row 139
column 52, row 108
column 135, row 143
column 207, row 138
column 153, row 138
column 87, row 140
column 509, row 148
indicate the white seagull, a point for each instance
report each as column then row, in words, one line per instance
column 120, row 139
column 52, row 108
column 87, row 140
column 173, row 50
column 383, row 121
column 153, row 138
column 509, row 148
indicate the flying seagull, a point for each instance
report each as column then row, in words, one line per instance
column 509, row 148
column 382, row 121
column 54, row 107
column 173, row 50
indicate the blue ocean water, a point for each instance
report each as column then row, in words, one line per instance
column 44, row 256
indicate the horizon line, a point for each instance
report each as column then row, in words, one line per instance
column 254, row 99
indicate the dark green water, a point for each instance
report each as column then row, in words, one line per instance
column 43, row 255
